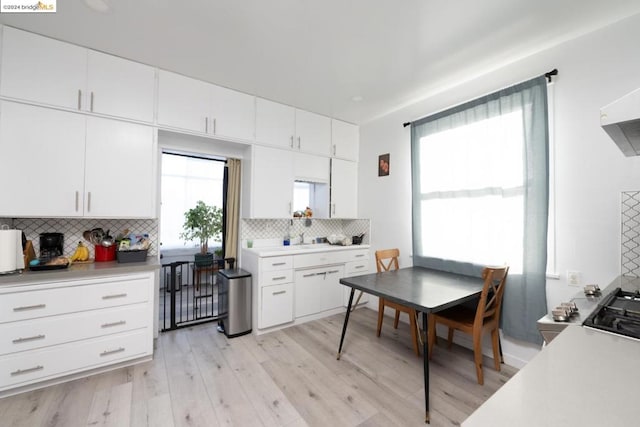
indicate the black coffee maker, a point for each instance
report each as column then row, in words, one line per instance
column 51, row 245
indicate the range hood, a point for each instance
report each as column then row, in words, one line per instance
column 621, row 120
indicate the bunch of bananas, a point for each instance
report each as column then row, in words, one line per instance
column 81, row 253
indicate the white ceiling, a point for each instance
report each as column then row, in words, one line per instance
column 318, row 55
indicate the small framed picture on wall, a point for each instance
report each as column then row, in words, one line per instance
column 383, row 165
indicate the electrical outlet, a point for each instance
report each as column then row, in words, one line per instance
column 573, row 278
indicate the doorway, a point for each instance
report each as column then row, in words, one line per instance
column 188, row 291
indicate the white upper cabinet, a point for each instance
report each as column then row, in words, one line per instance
column 120, row 88
column 58, row 74
column 345, row 139
column 344, row 189
column 271, row 183
column 80, row 166
column 275, row 123
column 287, row 127
column 311, row 168
column 201, row 107
column 41, row 69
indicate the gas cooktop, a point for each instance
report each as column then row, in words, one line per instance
column 618, row 313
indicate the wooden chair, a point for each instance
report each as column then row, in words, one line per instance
column 485, row 318
column 385, row 260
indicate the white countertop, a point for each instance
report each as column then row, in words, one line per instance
column 584, row 377
column 301, row 249
column 79, row 271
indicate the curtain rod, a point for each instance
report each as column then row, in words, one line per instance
column 548, row 75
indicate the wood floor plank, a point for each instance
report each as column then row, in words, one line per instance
column 111, row 407
column 290, row 377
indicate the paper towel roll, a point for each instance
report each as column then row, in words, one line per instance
column 10, row 247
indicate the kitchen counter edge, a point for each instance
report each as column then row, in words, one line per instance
column 80, row 271
column 300, row 249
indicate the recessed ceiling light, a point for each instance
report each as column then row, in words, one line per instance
column 102, row 6
column 357, row 98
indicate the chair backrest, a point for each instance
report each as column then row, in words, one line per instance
column 490, row 302
column 387, row 258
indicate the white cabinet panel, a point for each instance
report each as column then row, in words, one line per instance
column 201, row 107
column 345, row 139
column 311, row 168
column 41, row 69
column 183, row 102
column 275, row 123
column 48, row 156
column 318, row 289
column 59, row 74
column 277, row 305
column 119, row 171
column 113, row 178
column 272, row 183
column 233, row 114
column 344, row 189
column 120, row 88
column 313, row 133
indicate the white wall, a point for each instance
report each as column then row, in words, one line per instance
column 591, row 171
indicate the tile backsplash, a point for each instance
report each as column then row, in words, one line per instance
column 278, row 228
column 630, row 253
column 72, row 228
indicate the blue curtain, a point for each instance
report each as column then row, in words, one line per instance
column 525, row 295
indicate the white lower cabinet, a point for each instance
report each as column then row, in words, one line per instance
column 300, row 287
column 318, row 289
column 276, row 305
column 52, row 329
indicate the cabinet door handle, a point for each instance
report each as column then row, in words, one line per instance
column 333, row 209
column 298, row 143
column 112, row 296
column 79, row 99
column 214, row 125
column 77, row 200
column 333, row 271
column 334, row 149
column 275, row 264
column 112, row 324
column 359, row 256
column 110, row 352
column 278, row 293
column 291, row 142
column 27, row 371
column 310, row 275
column 89, row 201
column 91, row 103
column 29, row 307
column 279, row 278
column 360, row 266
column 27, row 339
column 206, row 125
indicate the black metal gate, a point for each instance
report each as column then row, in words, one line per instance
column 189, row 294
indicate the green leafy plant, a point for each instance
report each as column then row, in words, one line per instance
column 203, row 222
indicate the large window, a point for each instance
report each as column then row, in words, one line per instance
column 472, row 189
column 185, row 180
column 480, row 181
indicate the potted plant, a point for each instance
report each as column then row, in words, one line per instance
column 202, row 223
column 219, row 257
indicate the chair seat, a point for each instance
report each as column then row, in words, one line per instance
column 458, row 314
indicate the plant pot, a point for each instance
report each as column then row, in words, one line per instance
column 203, row 260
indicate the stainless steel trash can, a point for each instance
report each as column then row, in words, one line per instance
column 235, row 300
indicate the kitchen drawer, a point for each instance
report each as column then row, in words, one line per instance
column 38, row 365
column 276, row 277
column 355, row 255
column 80, row 296
column 356, row 268
column 38, row 333
column 276, row 263
column 277, row 305
column 316, row 259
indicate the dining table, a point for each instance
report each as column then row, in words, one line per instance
column 424, row 289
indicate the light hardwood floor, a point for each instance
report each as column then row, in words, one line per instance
column 286, row 378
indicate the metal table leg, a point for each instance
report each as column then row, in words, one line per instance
column 346, row 320
column 425, row 358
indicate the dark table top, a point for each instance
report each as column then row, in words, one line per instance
column 417, row 287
